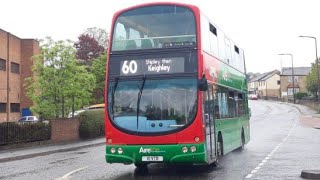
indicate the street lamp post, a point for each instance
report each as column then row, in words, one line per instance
column 294, row 99
column 317, row 65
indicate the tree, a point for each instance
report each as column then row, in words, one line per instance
column 99, row 35
column 98, row 69
column 312, row 80
column 87, row 49
column 59, row 83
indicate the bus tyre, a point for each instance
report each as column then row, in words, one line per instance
column 219, row 153
column 141, row 166
column 219, row 146
column 243, row 142
column 219, row 149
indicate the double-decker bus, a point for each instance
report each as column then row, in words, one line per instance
column 175, row 88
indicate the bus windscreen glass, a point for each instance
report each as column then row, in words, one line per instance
column 154, row 27
column 163, row 105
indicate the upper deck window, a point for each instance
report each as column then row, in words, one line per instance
column 154, row 27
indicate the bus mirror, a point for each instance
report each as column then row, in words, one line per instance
column 203, row 84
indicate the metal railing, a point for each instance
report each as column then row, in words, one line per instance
column 12, row 132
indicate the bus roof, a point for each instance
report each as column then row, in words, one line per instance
column 153, row 4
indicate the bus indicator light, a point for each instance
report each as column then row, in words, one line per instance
column 196, row 139
column 109, row 141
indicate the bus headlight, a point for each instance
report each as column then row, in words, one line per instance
column 193, row 149
column 112, row 150
column 184, row 149
column 120, row 151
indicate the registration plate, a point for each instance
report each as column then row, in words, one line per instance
column 152, row 158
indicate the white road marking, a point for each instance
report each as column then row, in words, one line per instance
column 71, row 172
column 254, row 171
column 270, row 154
column 261, row 164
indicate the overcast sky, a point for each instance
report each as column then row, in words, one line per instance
column 263, row 28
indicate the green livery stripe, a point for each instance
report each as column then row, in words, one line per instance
column 231, row 78
column 171, row 154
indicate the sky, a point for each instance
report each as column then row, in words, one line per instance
column 262, row 28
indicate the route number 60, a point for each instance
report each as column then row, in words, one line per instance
column 131, row 67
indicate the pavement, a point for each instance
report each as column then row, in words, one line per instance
column 25, row 153
column 308, row 116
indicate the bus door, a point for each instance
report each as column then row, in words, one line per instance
column 208, row 117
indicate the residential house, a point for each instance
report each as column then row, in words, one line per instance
column 269, row 85
column 266, row 84
column 286, row 79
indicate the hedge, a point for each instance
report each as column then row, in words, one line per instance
column 91, row 123
column 13, row 132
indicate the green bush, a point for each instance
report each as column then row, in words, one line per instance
column 300, row 95
column 91, row 123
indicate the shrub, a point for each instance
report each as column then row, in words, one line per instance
column 300, row 95
column 91, row 123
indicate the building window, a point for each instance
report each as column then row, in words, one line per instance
column 3, row 65
column 278, row 82
column 290, row 79
column 290, row 91
column 15, row 68
column 14, row 107
column 3, row 107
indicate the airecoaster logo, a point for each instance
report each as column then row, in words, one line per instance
column 150, row 150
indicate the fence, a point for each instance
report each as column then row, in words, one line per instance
column 11, row 132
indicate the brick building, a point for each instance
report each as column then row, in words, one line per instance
column 300, row 75
column 15, row 66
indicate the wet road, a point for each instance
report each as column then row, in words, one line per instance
column 280, row 148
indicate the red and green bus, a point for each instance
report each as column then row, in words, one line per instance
column 176, row 88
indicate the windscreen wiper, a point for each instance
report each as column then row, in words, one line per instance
column 112, row 95
column 139, row 97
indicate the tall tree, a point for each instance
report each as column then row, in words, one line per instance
column 99, row 35
column 87, row 49
column 98, row 69
column 59, row 83
column 312, row 80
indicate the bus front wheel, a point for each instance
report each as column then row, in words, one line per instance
column 141, row 166
column 220, row 146
column 243, row 141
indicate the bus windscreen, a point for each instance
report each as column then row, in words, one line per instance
column 154, row 27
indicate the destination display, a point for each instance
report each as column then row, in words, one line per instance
column 152, row 66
